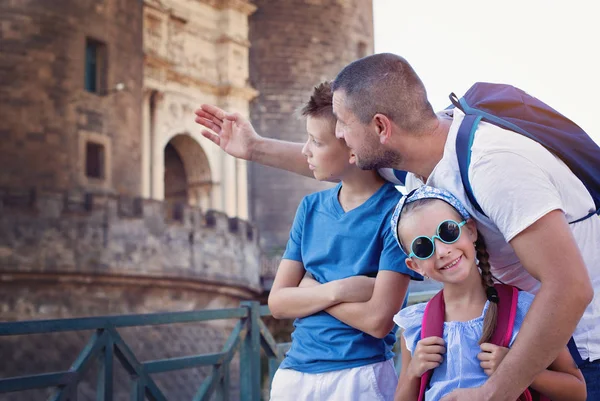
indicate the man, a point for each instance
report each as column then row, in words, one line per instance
column 529, row 195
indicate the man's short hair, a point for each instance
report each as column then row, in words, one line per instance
column 320, row 103
column 385, row 83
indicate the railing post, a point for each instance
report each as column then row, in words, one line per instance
column 222, row 390
column 105, row 372
column 250, row 355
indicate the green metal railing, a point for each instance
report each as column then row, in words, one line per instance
column 249, row 335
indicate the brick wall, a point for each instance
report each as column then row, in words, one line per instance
column 295, row 45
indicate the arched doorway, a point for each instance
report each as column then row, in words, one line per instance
column 187, row 172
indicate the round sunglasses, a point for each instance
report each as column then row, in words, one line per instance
column 448, row 232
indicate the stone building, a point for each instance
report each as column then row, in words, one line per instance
column 111, row 201
column 295, row 45
column 194, row 52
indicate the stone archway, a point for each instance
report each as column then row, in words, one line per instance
column 187, row 172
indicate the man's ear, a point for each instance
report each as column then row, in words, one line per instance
column 412, row 265
column 383, row 127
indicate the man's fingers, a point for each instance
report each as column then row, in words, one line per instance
column 208, row 124
column 212, row 136
column 202, row 115
column 233, row 117
column 212, row 110
column 208, row 116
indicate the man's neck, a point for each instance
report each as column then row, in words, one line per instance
column 429, row 148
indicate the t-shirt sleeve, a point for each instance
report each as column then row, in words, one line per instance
column 523, row 304
column 513, row 191
column 293, row 249
column 392, row 257
column 409, row 320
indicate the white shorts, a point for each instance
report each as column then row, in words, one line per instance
column 374, row 382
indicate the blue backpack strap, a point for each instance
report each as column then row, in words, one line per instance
column 401, row 176
column 513, row 109
column 464, row 140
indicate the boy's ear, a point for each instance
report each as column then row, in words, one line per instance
column 410, row 263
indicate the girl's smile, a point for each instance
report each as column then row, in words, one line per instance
column 452, row 264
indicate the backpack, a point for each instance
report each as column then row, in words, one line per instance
column 513, row 109
column 433, row 325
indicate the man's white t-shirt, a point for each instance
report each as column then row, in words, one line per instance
column 516, row 182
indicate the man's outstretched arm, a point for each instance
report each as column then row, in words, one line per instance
column 237, row 137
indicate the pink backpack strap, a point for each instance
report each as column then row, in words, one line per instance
column 432, row 325
column 507, row 310
column 505, row 324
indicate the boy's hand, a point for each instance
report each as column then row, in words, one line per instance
column 427, row 355
column 490, row 356
column 232, row 132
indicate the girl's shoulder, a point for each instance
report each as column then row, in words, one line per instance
column 525, row 298
column 409, row 320
column 410, row 316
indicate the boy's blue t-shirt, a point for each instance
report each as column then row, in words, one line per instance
column 333, row 244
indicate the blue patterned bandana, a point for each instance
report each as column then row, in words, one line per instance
column 425, row 192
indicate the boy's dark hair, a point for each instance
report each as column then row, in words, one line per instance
column 320, row 103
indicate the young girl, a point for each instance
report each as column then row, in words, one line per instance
column 441, row 241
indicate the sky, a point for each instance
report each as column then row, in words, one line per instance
column 550, row 49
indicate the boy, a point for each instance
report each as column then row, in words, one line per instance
column 344, row 332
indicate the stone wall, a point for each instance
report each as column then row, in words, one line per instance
column 77, row 254
column 47, row 116
column 295, row 45
column 97, row 234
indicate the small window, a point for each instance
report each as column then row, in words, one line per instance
column 94, row 160
column 95, row 65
